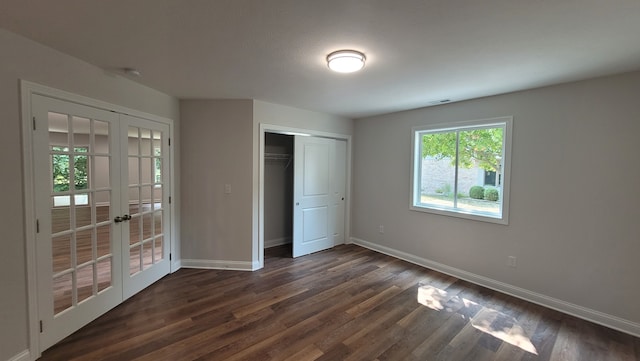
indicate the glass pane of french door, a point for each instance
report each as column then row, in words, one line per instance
column 79, row 255
column 146, row 182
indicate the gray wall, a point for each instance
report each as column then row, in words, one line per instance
column 574, row 216
column 220, row 145
column 217, row 150
column 24, row 59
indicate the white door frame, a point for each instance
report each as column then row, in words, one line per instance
column 258, row 244
column 27, row 89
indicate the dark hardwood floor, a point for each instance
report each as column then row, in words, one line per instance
column 348, row 303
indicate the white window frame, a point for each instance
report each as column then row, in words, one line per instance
column 416, row 169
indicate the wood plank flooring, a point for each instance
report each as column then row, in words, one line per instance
column 347, row 303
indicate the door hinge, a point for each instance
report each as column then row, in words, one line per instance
column 34, row 123
column 169, row 199
column 37, row 226
column 169, row 141
column 40, row 326
column 169, row 256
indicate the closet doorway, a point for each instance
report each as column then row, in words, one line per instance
column 305, row 186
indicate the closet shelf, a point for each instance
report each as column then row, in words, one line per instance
column 277, row 156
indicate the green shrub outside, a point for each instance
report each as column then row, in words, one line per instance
column 491, row 194
column 476, row 192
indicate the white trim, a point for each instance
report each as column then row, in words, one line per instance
column 27, row 90
column 34, row 88
column 175, row 265
column 22, row 356
column 277, row 242
column 572, row 309
column 272, row 128
column 219, row 264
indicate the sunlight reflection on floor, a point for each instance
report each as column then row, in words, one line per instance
column 486, row 320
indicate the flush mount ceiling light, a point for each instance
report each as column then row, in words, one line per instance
column 346, row 61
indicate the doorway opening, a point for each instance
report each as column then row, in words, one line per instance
column 278, row 193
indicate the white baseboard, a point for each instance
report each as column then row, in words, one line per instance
column 277, row 242
column 219, row 264
column 585, row 313
column 176, row 265
column 22, row 356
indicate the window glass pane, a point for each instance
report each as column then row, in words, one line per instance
column 83, row 215
column 60, row 217
column 58, row 129
column 102, row 203
column 438, row 169
column 61, row 253
column 103, row 240
column 134, row 200
column 60, row 171
column 146, row 171
column 480, row 151
column 134, row 144
column 102, row 176
column 157, row 221
column 134, row 170
column 135, row 226
column 157, row 196
column 62, row 292
column 85, row 282
column 81, row 130
column 145, row 142
column 147, row 224
column 101, row 134
column 157, row 250
column 135, row 264
column 147, row 254
column 84, row 246
column 157, row 168
column 104, row 274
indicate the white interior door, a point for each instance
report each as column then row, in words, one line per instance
column 102, row 211
column 313, row 213
column 77, row 193
column 145, row 239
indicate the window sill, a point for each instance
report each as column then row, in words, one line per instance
column 474, row 216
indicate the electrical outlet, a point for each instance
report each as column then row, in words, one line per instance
column 511, row 261
column 381, row 229
column 227, row 189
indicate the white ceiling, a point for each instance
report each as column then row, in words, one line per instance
column 418, row 52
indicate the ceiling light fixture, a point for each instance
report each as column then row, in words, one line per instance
column 346, row 61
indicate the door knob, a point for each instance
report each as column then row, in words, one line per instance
column 126, row 217
column 118, row 219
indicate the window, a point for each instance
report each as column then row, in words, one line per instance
column 462, row 169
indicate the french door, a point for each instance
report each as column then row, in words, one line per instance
column 145, row 235
column 101, row 182
column 313, row 193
